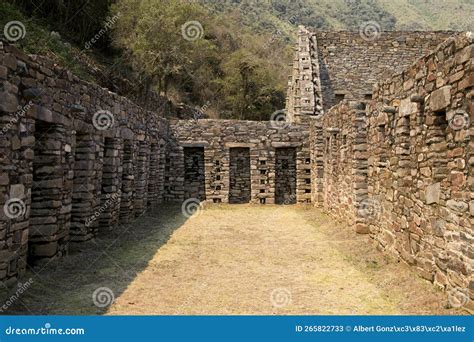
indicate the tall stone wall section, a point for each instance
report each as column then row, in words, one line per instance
column 339, row 139
column 217, row 137
column 400, row 166
column 421, row 164
column 304, row 98
column 62, row 177
column 331, row 66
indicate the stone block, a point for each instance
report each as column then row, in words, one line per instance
column 8, row 102
column 440, row 99
column 44, row 250
column 17, row 191
column 407, row 107
column 433, row 193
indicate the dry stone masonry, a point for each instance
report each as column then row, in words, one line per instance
column 396, row 161
column 378, row 133
column 239, row 159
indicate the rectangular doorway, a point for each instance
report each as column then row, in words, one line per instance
column 285, row 175
column 194, row 173
column 239, row 189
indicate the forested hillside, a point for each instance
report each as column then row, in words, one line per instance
column 229, row 57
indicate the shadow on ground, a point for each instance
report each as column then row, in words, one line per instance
column 108, row 263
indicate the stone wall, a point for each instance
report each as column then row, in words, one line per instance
column 339, row 139
column 400, row 166
column 75, row 159
column 331, row 66
column 219, row 137
column 240, row 184
column 421, row 164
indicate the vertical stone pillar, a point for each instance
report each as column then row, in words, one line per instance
column 141, row 177
column 111, row 183
column 51, row 192
column 303, row 175
column 316, row 142
column 216, row 161
column 153, row 175
column 262, row 170
column 128, row 181
column 360, row 164
column 161, row 171
column 86, row 186
column 174, row 174
column 16, row 148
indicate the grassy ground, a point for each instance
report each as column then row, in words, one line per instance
column 231, row 260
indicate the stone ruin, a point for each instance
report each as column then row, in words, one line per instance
column 377, row 132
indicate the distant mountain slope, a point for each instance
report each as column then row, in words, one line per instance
column 350, row 14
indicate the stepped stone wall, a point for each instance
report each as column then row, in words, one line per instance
column 218, row 137
column 331, row 66
column 400, row 166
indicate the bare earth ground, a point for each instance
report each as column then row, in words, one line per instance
column 237, row 259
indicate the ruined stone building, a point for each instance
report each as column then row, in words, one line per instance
column 378, row 133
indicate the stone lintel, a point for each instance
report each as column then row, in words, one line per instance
column 194, row 144
column 333, row 130
column 239, row 144
column 279, row 144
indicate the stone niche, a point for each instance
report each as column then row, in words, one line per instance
column 239, row 175
column 194, row 173
column 285, row 175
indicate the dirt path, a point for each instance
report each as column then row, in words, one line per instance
column 237, row 259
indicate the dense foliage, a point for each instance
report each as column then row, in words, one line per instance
column 238, row 65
